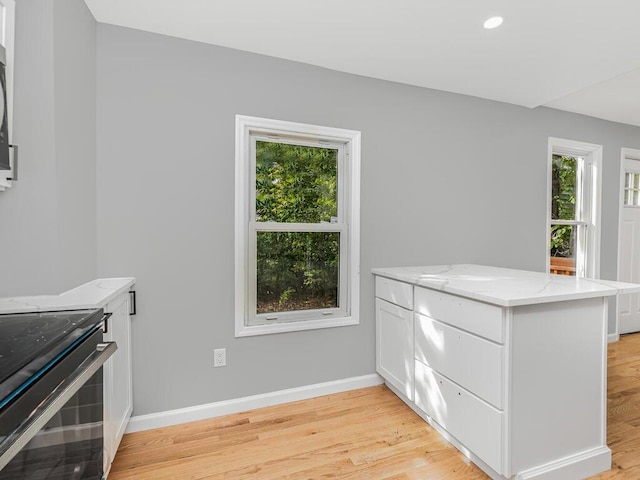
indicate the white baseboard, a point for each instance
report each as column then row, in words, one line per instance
column 613, row 337
column 211, row 410
column 581, row 465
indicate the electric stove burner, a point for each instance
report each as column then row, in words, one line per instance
column 29, row 341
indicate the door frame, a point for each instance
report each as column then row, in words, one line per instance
column 633, row 154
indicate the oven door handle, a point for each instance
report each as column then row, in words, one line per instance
column 105, row 322
column 54, row 402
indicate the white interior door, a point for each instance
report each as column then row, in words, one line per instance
column 629, row 248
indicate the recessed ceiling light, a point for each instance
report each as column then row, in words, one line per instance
column 493, row 22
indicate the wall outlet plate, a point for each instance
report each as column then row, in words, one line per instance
column 220, row 357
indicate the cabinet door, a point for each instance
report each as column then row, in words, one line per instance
column 476, row 317
column 118, row 399
column 473, row 422
column 394, row 346
column 398, row 293
column 470, row 361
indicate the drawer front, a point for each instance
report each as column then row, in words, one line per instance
column 395, row 292
column 476, row 317
column 471, row 361
column 476, row 424
column 394, row 346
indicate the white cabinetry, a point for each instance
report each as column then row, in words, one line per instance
column 460, row 377
column 395, row 362
column 394, row 340
column 474, row 362
column 517, row 383
column 118, row 399
column 474, row 423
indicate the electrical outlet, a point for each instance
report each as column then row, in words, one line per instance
column 220, row 357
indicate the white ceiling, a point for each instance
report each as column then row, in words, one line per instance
column 577, row 55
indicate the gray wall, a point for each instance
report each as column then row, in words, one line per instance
column 74, row 40
column 48, row 226
column 445, row 179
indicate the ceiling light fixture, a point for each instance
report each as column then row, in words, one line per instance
column 493, row 22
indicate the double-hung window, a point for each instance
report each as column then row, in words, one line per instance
column 574, row 208
column 297, row 226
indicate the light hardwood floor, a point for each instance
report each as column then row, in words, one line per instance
column 361, row 434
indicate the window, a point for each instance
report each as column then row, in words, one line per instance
column 297, row 226
column 574, row 208
column 632, row 189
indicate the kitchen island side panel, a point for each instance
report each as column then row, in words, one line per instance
column 558, row 381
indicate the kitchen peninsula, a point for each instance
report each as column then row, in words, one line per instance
column 510, row 366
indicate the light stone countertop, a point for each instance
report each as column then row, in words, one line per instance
column 94, row 294
column 503, row 286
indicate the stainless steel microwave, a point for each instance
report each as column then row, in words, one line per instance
column 5, row 163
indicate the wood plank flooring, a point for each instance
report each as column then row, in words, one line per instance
column 361, row 434
column 623, row 422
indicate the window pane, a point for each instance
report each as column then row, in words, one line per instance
column 297, row 270
column 636, row 183
column 563, row 249
column 628, row 180
column 563, row 187
column 295, row 183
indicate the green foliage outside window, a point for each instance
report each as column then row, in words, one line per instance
column 295, row 183
column 296, row 270
column 563, row 205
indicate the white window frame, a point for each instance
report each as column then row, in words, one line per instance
column 590, row 191
column 248, row 131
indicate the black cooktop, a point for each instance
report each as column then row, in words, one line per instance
column 30, row 342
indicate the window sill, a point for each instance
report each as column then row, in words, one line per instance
column 252, row 330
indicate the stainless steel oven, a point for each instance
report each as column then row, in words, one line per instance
column 51, row 397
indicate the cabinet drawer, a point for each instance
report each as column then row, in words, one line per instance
column 471, row 361
column 395, row 292
column 476, row 424
column 475, row 317
column 394, row 346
